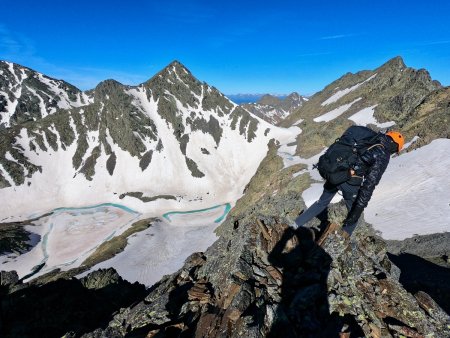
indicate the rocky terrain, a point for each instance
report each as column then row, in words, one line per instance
column 273, row 109
column 263, row 279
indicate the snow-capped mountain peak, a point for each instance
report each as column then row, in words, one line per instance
column 27, row 95
column 171, row 136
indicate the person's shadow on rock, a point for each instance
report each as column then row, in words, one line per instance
column 303, row 310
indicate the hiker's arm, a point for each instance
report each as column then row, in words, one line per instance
column 377, row 165
column 380, row 160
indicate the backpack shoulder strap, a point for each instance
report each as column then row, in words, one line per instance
column 375, row 145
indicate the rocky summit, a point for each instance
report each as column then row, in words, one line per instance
column 260, row 278
column 273, row 109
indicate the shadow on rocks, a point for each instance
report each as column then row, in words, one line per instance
column 418, row 274
column 64, row 305
column 303, row 310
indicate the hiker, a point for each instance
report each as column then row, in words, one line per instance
column 357, row 175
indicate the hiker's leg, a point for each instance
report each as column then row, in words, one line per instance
column 349, row 193
column 328, row 193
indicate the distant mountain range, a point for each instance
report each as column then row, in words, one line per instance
column 274, row 109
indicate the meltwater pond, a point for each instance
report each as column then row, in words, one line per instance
column 162, row 248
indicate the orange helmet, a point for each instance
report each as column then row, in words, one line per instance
column 398, row 138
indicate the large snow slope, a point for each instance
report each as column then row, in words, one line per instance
column 413, row 196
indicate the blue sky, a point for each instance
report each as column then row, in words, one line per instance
column 237, row 46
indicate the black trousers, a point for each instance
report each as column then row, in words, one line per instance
column 349, row 193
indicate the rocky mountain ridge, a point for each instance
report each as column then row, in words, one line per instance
column 390, row 96
column 27, row 95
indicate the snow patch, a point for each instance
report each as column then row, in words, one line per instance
column 410, row 143
column 335, row 112
column 365, row 117
column 312, row 194
column 336, row 96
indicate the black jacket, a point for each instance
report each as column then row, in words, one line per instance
column 372, row 164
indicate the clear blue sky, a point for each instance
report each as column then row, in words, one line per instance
column 237, row 46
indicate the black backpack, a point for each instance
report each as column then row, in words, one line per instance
column 335, row 164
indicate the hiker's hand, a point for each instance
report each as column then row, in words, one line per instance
column 353, row 215
column 293, row 225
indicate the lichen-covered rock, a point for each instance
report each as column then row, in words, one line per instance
column 8, row 278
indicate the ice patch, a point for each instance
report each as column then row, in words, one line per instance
column 69, row 236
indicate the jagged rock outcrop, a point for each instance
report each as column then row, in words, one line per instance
column 273, row 109
column 430, row 119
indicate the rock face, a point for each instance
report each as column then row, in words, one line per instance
column 273, row 109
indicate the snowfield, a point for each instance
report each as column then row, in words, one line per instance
column 341, row 93
column 413, row 196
